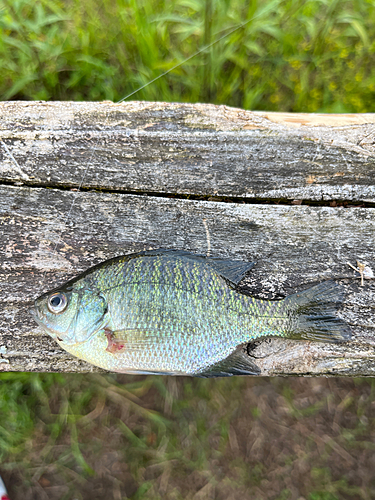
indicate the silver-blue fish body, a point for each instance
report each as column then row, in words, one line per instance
column 168, row 312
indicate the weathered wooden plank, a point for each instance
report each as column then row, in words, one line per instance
column 295, row 246
column 195, row 149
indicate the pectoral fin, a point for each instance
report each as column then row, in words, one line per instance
column 130, row 339
column 237, row 363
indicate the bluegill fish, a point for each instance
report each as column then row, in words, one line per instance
column 175, row 313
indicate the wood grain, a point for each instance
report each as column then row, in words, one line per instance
column 190, row 149
column 119, row 153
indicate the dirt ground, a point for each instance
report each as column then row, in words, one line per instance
column 181, row 438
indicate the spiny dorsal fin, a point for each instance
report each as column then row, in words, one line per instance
column 237, row 363
column 232, row 270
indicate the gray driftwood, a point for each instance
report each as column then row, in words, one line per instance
column 49, row 231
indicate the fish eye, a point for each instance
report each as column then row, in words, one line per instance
column 57, row 303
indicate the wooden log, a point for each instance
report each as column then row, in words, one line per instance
column 49, row 233
column 189, row 149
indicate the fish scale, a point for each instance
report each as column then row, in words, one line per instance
column 173, row 312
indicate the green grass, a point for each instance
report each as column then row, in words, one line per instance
column 292, row 55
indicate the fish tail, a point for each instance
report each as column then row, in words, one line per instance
column 312, row 314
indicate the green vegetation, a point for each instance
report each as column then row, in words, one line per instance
column 292, row 55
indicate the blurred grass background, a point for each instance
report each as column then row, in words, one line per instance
column 116, row 436
column 112, row 436
column 292, row 55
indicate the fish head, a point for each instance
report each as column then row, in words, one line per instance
column 71, row 314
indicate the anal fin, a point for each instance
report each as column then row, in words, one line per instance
column 237, row 363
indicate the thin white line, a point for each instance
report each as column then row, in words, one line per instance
column 194, row 55
column 140, row 88
column 22, row 174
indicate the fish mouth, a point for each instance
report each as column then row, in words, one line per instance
column 39, row 317
column 35, row 315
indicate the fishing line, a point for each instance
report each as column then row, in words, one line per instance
column 203, row 49
column 19, row 169
column 93, row 148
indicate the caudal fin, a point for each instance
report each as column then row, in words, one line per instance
column 312, row 314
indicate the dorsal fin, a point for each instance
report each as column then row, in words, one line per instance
column 231, row 270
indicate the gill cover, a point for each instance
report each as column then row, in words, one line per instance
column 83, row 315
